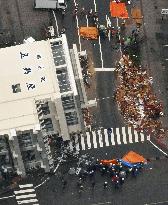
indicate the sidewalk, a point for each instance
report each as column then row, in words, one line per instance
column 151, row 56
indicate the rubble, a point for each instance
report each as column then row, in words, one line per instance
column 136, row 100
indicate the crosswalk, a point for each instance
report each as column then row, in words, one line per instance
column 26, row 195
column 102, row 138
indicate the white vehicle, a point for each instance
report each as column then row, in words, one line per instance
column 50, row 4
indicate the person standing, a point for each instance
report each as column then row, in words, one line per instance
column 93, row 184
column 105, row 184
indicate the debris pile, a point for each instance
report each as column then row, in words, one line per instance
column 136, row 100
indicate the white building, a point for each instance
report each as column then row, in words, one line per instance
column 41, row 94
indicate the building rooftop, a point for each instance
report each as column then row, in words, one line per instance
column 27, row 73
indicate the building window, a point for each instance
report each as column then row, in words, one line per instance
column 28, row 156
column 63, row 80
column 43, row 109
column 25, row 140
column 16, row 88
column 58, row 53
column 71, row 118
column 68, row 102
column 47, row 125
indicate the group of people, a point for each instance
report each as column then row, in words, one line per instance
column 85, row 70
column 135, row 98
column 116, row 172
column 86, row 116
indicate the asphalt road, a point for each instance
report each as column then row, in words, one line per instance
column 149, row 187
column 103, row 55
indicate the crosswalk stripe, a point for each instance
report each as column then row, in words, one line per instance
column 142, row 137
column 112, row 136
column 100, row 138
column 136, row 135
column 24, row 191
column 25, row 186
column 71, row 145
column 148, row 137
column 118, row 136
column 94, row 139
column 82, row 142
column 27, row 201
column 106, row 137
column 77, row 143
column 26, row 196
column 124, row 135
column 130, row 135
column 88, row 140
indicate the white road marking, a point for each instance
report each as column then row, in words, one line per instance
column 108, row 22
column 104, row 69
column 56, row 23
column 124, row 135
column 158, row 148
column 7, row 197
column 112, row 137
column 88, row 140
column 136, row 135
column 100, row 138
column 26, row 196
column 27, row 201
column 119, row 36
column 82, row 142
column 25, row 186
column 118, row 135
column 106, row 137
column 77, row 143
column 70, row 145
column 94, row 139
column 87, row 21
column 130, row 135
column 77, row 24
column 101, row 54
column 142, row 137
column 24, row 191
column 148, row 137
column 95, row 7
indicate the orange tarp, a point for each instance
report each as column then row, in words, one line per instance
column 136, row 15
column 133, row 157
column 89, row 32
column 107, row 162
column 118, row 10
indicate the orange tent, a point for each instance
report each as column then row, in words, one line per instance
column 118, row 10
column 89, row 32
column 133, row 157
column 107, row 162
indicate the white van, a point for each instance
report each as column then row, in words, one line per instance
column 50, row 4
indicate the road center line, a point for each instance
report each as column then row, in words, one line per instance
column 108, row 26
column 119, row 35
column 101, row 54
column 100, row 48
column 77, row 25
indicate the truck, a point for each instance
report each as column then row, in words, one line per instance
column 50, row 4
